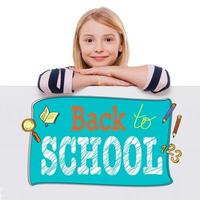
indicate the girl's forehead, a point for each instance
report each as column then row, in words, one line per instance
column 91, row 27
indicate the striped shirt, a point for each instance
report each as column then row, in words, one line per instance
column 60, row 80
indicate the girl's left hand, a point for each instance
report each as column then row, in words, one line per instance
column 105, row 70
column 136, row 76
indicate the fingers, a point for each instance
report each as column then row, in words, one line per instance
column 89, row 71
column 85, row 71
column 109, row 81
column 94, row 71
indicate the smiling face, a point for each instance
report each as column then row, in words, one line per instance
column 99, row 44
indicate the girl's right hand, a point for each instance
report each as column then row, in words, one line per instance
column 80, row 81
column 110, row 81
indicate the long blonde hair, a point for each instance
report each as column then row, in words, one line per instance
column 106, row 17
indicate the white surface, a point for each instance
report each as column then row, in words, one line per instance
column 37, row 35
column 15, row 106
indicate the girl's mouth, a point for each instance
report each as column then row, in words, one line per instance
column 99, row 58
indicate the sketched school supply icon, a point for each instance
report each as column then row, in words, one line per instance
column 28, row 125
column 177, row 124
column 48, row 117
column 169, row 112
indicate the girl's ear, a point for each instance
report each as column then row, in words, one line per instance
column 120, row 48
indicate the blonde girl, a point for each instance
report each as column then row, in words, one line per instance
column 100, row 54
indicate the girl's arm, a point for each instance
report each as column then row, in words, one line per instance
column 146, row 77
column 66, row 80
column 56, row 81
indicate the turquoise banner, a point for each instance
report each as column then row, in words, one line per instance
column 98, row 140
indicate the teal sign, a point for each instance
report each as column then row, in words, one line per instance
column 97, row 140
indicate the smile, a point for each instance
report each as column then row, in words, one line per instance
column 99, row 58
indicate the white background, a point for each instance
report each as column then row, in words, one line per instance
column 14, row 149
column 37, row 35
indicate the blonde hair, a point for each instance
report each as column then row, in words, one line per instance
column 106, row 17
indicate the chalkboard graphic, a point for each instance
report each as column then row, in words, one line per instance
column 101, row 140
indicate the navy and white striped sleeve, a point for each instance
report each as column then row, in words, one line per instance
column 158, row 79
column 57, row 80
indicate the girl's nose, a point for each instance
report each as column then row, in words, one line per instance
column 99, row 47
column 98, row 51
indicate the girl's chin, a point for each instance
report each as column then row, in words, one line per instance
column 99, row 64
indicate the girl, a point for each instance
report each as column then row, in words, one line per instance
column 100, row 56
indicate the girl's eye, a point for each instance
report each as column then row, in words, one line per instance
column 89, row 40
column 109, row 39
